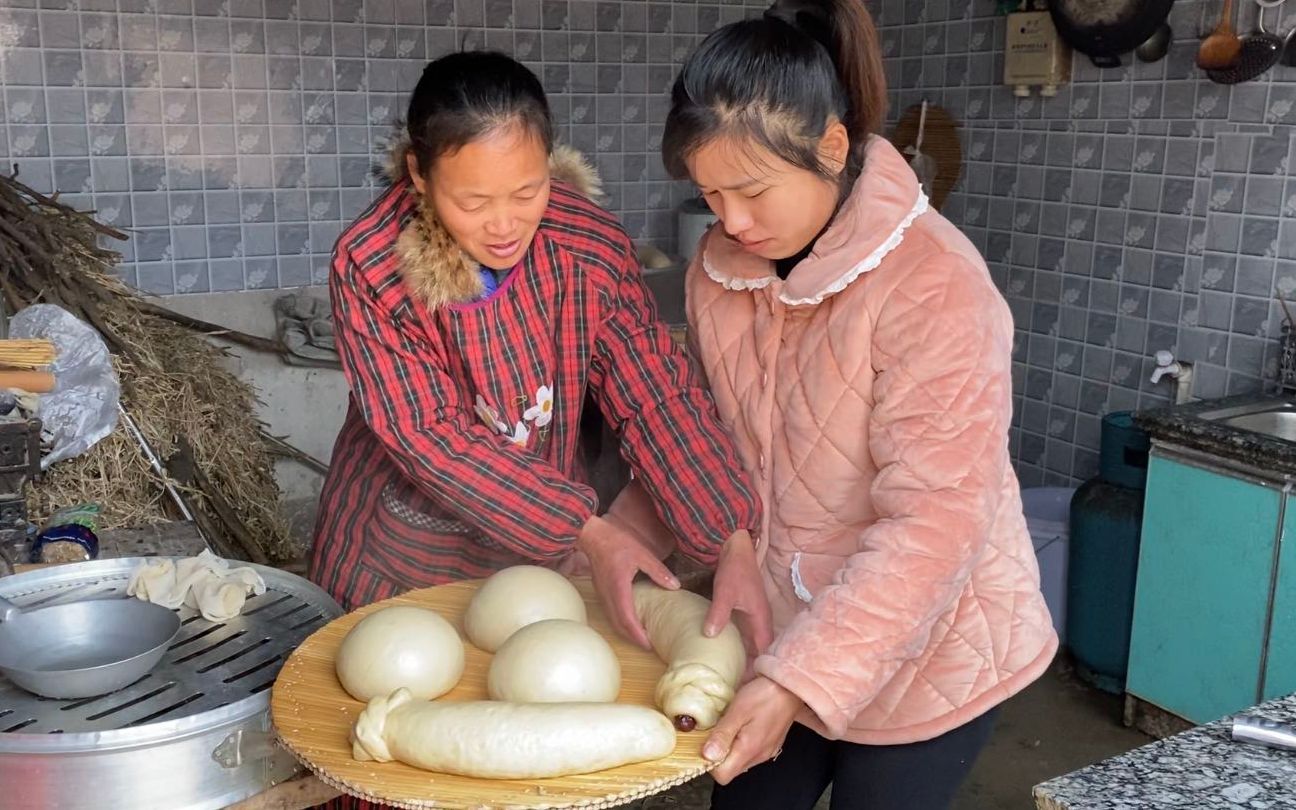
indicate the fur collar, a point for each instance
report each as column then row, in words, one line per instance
column 436, row 269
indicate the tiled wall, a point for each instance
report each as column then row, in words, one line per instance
column 1143, row 208
column 234, row 137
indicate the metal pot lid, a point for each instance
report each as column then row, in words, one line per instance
column 1108, row 27
column 212, row 674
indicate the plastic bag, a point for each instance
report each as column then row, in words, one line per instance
column 82, row 408
column 83, row 514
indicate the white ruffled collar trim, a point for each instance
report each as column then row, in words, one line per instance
column 870, row 262
column 730, row 282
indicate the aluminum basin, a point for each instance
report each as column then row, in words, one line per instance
column 1275, row 418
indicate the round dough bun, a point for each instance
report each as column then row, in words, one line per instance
column 555, row 661
column 516, row 596
column 400, row 647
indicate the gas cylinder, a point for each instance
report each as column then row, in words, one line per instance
column 1106, row 520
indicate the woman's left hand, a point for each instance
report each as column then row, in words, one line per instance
column 752, row 730
column 576, row 564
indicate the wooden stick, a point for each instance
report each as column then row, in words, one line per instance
column 220, row 504
column 156, row 463
column 183, row 467
column 214, row 330
column 54, row 203
column 34, row 382
column 216, row 535
column 23, row 239
column 280, row 447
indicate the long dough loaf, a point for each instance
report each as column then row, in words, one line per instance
column 702, row 672
column 497, row 740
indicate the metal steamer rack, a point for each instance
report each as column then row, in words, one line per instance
column 194, row 732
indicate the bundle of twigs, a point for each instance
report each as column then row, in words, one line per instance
column 195, row 415
column 26, row 354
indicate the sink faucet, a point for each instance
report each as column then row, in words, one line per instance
column 1178, row 370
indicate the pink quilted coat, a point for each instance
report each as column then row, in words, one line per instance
column 870, row 397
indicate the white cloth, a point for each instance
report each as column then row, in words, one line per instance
column 206, row 583
column 154, row 580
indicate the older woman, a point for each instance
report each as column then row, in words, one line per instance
column 477, row 303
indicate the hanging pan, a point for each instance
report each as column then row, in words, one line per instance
column 1105, row 29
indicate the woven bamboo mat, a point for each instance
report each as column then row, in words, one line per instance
column 940, row 141
column 313, row 717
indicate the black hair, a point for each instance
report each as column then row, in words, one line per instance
column 464, row 96
column 779, row 81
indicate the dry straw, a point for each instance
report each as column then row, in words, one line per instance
column 195, row 413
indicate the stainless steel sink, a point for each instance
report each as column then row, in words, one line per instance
column 1276, row 418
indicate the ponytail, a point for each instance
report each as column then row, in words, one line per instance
column 779, row 80
column 846, row 30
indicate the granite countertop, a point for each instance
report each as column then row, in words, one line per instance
column 1182, row 425
column 1202, row 769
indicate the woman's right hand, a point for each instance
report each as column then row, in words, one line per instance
column 738, row 594
column 616, row 557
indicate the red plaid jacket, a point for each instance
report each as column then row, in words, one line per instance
column 459, row 452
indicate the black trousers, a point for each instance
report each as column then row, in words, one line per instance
column 917, row 776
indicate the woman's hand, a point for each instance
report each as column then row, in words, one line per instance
column 575, row 564
column 633, row 510
column 615, row 557
column 738, row 593
column 752, row 730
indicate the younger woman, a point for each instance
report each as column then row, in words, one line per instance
column 860, row 354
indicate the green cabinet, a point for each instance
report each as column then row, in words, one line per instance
column 1280, row 662
column 1214, row 578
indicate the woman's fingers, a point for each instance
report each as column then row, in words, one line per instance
column 616, row 557
column 720, row 740
column 753, row 729
column 614, row 591
column 719, row 612
column 745, row 752
column 657, row 571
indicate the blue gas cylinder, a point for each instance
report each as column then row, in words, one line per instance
column 1106, row 520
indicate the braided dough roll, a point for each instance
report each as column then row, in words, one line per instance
column 497, row 740
column 702, row 672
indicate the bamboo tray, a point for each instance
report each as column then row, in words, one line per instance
column 313, row 717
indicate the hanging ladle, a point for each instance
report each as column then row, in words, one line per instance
column 1261, row 50
column 1220, row 49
